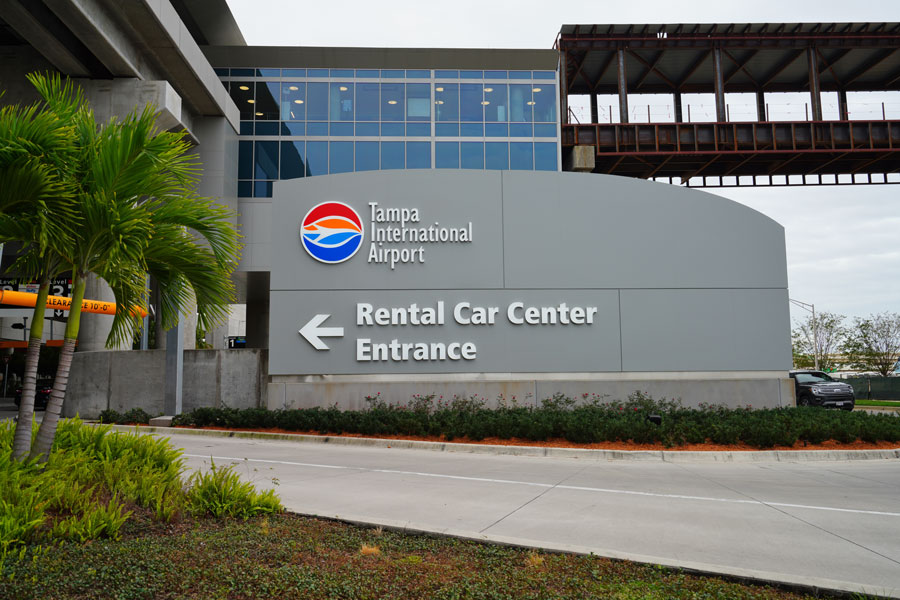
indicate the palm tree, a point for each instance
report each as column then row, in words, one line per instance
column 137, row 213
column 34, row 147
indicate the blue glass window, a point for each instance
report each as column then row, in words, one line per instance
column 471, row 130
column 221, row 72
column 520, row 130
column 242, row 94
column 446, row 155
column 367, row 102
column 393, row 73
column 262, row 189
column 293, row 101
column 245, row 189
column 520, row 74
column 367, row 73
column 496, row 155
column 393, row 129
column 444, row 74
column 243, row 72
column 266, row 160
column 545, row 156
column 446, row 129
column 316, row 129
column 471, row 95
column 367, row 129
column 471, row 155
column 293, row 129
column 418, row 130
column 341, row 129
column 544, row 130
column 341, row 102
column 418, row 155
column 418, row 73
column 392, row 101
column 470, row 75
column 293, row 72
column 495, row 74
column 267, row 100
column 545, row 75
column 316, row 158
column 446, row 101
column 496, row 130
column 317, row 72
column 267, row 128
column 246, row 127
column 245, row 160
column 341, row 72
column 366, row 156
column 317, row 101
column 340, row 157
column 418, row 102
column 520, row 103
column 392, row 155
column 544, row 96
column 496, row 106
column 521, row 156
column 292, row 160
column 269, row 72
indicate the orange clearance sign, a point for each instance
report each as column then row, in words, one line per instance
column 62, row 303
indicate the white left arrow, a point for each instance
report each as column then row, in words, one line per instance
column 312, row 332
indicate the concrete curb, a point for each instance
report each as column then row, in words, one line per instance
column 674, row 456
column 810, row 585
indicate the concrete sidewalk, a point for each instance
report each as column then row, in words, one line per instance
column 827, row 523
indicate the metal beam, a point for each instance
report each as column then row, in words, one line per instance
column 623, row 86
column 721, row 115
column 815, row 93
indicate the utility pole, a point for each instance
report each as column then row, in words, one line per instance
column 811, row 308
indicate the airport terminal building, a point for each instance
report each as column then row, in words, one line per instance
column 409, row 228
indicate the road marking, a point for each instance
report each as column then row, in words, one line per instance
column 550, row 485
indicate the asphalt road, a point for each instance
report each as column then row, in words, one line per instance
column 829, row 524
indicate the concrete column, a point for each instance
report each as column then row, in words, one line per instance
column 174, row 370
column 721, row 115
column 842, row 105
column 623, row 85
column 218, row 154
column 95, row 328
column 679, row 114
column 594, row 110
column 815, row 93
column 761, row 106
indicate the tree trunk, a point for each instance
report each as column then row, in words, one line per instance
column 22, row 439
column 46, row 434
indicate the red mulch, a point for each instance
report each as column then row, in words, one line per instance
column 561, row 443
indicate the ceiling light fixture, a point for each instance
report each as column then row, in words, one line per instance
column 293, row 88
column 439, row 89
column 530, row 103
column 243, row 87
column 392, row 102
column 488, row 89
column 298, row 101
column 343, row 88
column 535, row 90
column 251, row 101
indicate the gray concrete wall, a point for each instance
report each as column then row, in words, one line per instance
column 125, row 380
column 691, row 390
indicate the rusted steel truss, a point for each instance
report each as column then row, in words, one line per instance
column 746, row 153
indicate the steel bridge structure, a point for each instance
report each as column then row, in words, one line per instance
column 716, row 59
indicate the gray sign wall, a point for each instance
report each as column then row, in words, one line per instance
column 564, row 273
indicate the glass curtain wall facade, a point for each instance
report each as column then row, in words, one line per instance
column 307, row 122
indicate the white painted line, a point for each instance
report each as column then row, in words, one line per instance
column 559, row 487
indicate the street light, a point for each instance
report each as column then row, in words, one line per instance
column 812, row 309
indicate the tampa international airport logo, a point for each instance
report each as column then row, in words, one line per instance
column 331, row 232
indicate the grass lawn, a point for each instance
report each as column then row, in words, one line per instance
column 893, row 403
column 288, row 556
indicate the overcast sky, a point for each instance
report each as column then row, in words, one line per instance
column 843, row 242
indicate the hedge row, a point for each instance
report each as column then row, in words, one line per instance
column 560, row 417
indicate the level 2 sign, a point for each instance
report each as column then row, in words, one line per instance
column 437, row 315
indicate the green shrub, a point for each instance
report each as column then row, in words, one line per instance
column 588, row 420
column 221, row 493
